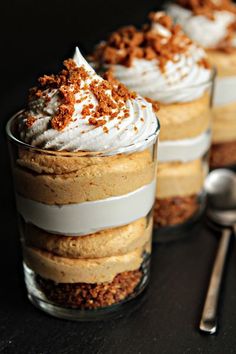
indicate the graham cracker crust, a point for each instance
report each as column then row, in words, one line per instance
column 223, row 154
column 91, row 296
column 175, row 210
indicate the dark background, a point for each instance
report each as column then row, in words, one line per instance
column 36, row 36
column 39, row 35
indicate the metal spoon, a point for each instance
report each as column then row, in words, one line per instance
column 220, row 186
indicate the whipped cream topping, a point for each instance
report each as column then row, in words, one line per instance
column 184, row 77
column 205, row 31
column 128, row 121
column 75, row 219
column 183, row 80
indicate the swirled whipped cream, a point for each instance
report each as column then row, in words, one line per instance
column 159, row 61
column 211, row 24
column 77, row 110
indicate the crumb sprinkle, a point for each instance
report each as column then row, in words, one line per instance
column 106, row 130
column 155, row 104
column 128, row 43
column 110, row 95
column 30, row 121
column 207, row 8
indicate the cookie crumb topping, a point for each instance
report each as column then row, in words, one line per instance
column 30, row 121
column 128, row 43
column 109, row 93
column 208, row 8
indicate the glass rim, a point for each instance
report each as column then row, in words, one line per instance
column 135, row 147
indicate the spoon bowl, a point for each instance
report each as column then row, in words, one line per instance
column 220, row 188
column 222, row 218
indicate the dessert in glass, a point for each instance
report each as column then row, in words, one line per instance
column 213, row 25
column 84, row 164
column 162, row 64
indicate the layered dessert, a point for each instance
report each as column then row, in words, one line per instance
column 84, row 165
column 161, row 63
column 213, row 25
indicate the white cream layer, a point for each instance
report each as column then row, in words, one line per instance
column 88, row 217
column 224, row 91
column 184, row 150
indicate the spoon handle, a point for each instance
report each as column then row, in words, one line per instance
column 208, row 323
column 234, row 230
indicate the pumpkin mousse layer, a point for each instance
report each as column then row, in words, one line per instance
column 105, row 243
column 224, row 127
column 81, row 179
column 224, row 62
column 185, row 120
column 69, row 270
column 180, row 179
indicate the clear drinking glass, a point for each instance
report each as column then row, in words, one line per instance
column 85, row 223
column 223, row 149
column 183, row 153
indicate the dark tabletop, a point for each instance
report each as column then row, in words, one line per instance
column 167, row 320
